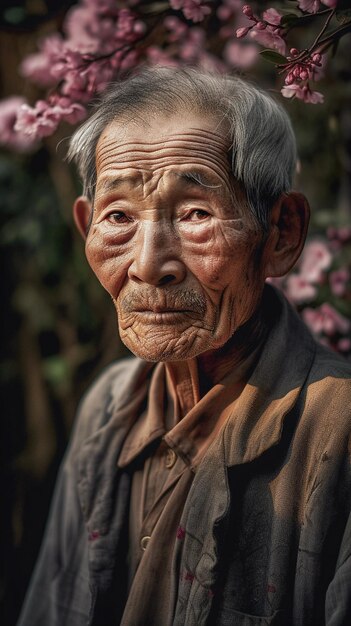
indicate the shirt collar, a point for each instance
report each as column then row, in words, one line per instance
column 193, row 433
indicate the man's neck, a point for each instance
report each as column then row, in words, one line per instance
column 190, row 380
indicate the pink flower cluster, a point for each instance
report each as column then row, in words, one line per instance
column 326, row 323
column 300, row 68
column 43, row 119
column 8, row 116
column 312, row 6
column 315, row 274
column 266, row 30
column 99, row 40
column 303, row 69
column 301, row 286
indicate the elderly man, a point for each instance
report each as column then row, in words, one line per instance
column 208, row 480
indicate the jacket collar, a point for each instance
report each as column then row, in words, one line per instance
column 274, row 386
column 97, row 460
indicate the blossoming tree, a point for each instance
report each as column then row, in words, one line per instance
column 102, row 39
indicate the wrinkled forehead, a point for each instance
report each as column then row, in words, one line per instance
column 162, row 143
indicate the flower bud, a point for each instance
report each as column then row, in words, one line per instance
column 296, row 71
column 316, row 58
column 242, row 32
column 247, row 10
column 294, row 52
column 304, row 74
column 261, row 26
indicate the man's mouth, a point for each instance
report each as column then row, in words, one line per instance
column 180, row 302
column 162, row 310
column 159, row 315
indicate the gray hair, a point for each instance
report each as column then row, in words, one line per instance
column 262, row 142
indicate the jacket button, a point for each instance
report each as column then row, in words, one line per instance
column 171, row 458
column 144, row 541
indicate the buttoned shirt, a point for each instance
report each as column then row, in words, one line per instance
column 163, row 450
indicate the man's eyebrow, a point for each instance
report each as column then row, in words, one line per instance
column 197, row 178
column 111, row 184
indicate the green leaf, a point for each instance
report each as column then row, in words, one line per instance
column 289, row 20
column 273, row 57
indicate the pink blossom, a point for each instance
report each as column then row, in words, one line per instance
column 67, row 110
column 95, row 31
column 35, row 121
column 338, row 281
column 299, row 289
column 313, row 97
column 242, row 32
column 38, row 66
column 239, row 55
column 310, row 6
column 9, row 109
column 302, row 92
column 194, row 10
column 42, row 119
column 80, row 27
column 325, row 319
column 269, row 37
column 69, row 60
column 272, row 16
column 315, row 259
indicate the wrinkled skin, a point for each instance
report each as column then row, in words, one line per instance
column 171, row 240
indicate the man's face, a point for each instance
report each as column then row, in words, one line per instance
column 178, row 252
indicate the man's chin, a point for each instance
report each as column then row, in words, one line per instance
column 156, row 353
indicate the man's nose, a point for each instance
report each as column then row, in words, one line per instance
column 156, row 256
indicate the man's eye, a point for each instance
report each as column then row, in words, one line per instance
column 118, row 217
column 198, row 215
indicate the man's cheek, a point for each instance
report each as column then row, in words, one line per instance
column 214, row 262
column 108, row 262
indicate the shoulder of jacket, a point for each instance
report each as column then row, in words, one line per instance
column 331, row 372
column 107, row 391
column 327, row 403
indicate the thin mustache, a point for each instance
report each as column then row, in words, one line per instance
column 178, row 300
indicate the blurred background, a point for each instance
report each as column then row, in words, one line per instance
column 58, row 327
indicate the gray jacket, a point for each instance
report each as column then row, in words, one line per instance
column 265, row 532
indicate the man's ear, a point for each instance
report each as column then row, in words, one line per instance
column 288, row 228
column 82, row 210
